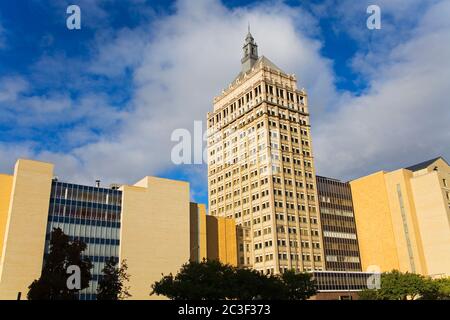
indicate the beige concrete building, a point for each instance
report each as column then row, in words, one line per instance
column 212, row 238
column 146, row 223
column 154, row 233
column 261, row 167
column 198, row 240
column 6, row 183
column 25, row 225
column 403, row 218
column 222, row 240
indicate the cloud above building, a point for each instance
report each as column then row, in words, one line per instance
column 140, row 83
column 403, row 116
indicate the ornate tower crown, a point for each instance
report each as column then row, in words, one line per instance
column 250, row 52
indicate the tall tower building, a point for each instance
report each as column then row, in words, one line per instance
column 261, row 167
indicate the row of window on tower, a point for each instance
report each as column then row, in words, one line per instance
column 273, row 94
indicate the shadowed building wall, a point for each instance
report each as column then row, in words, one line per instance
column 198, row 240
column 221, row 240
column 6, row 183
column 154, row 231
column 212, row 238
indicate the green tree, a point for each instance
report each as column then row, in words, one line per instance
column 396, row 285
column 212, row 280
column 112, row 283
column 429, row 290
column 207, row 280
column 443, row 285
column 249, row 284
column 52, row 285
column 245, row 284
column 272, row 288
column 299, row 286
column 436, row 289
column 368, row 294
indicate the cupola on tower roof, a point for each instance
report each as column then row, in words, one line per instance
column 250, row 52
column 251, row 59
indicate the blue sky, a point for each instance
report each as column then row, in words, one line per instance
column 102, row 102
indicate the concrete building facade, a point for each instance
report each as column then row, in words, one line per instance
column 148, row 224
column 340, row 239
column 212, row 238
column 91, row 214
column 25, row 228
column 403, row 218
column 261, row 167
column 154, row 235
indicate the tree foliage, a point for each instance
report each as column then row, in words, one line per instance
column 368, row 294
column 400, row 286
column 396, row 285
column 436, row 289
column 112, row 283
column 52, row 285
column 196, row 281
column 212, row 280
column 300, row 286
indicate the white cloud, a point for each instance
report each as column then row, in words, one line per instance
column 193, row 55
column 404, row 117
column 11, row 88
column 9, row 153
column 118, row 52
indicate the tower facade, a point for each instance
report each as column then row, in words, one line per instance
column 261, row 167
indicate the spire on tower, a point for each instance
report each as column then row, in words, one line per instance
column 250, row 52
